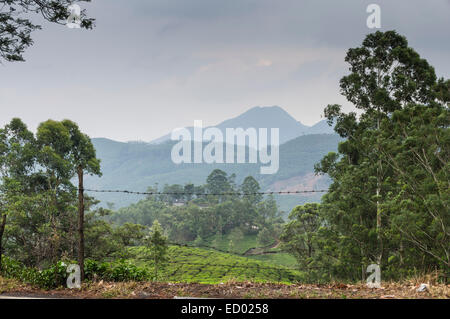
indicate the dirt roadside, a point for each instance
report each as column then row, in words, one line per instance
column 244, row 290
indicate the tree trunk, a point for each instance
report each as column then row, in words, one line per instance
column 379, row 172
column 380, row 239
column 156, row 267
column 2, row 230
column 81, row 222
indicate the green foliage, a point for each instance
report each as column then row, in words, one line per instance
column 386, row 74
column 199, row 241
column 221, row 243
column 388, row 203
column 265, row 237
column 205, row 216
column 38, row 207
column 418, row 152
column 137, row 165
column 299, row 234
column 17, row 26
column 236, row 236
column 119, row 270
column 187, row 264
column 279, row 259
column 82, row 152
column 52, row 277
column 104, row 240
column 157, row 245
column 56, row 275
column 251, row 187
column 216, row 183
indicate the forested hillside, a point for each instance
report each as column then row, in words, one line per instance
column 136, row 166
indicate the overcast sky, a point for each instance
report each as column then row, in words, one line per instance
column 150, row 66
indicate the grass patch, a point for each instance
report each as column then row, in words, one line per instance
column 278, row 259
column 9, row 284
column 222, row 243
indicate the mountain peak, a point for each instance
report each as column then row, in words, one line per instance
column 268, row 117
column 272, row 110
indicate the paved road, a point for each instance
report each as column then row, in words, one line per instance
column 12, row 297
column 6, row 296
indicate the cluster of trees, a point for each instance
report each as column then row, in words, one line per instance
column 389, row 200
column 41, row 217
column 218, row 207
column 388, row 203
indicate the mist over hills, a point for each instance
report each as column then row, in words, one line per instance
column 136, row 166
column 267, row 117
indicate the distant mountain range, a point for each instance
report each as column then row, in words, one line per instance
column 136, row 166
column 267, row 117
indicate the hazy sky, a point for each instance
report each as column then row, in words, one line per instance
column 153, row 65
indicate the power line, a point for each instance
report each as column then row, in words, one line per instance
column 206, row 194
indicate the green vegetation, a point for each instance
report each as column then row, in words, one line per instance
column 157, row 248
column 17, row 24
column 221, row 243
column 41, row 219
column 278, row 259
column 389, row 199
column 135, row 166
column 56, row 275
column 51, row 277
column 388, row 202
column 196, row 214
column 188, row 264
column 181, row 264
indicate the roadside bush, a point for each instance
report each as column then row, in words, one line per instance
column 51, row 277
column 10, row 267
column 120, row 270
column 56, row 275
column 125, row 271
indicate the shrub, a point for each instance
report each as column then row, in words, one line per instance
column 120, row 270
column 51, row 277
column 56, row 275
column 125, row 271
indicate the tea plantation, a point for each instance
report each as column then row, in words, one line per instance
column 188, row 264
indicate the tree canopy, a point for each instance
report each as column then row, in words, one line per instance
column 17, row 24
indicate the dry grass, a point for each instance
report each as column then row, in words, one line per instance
column 234, row 289
column 7, row 285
